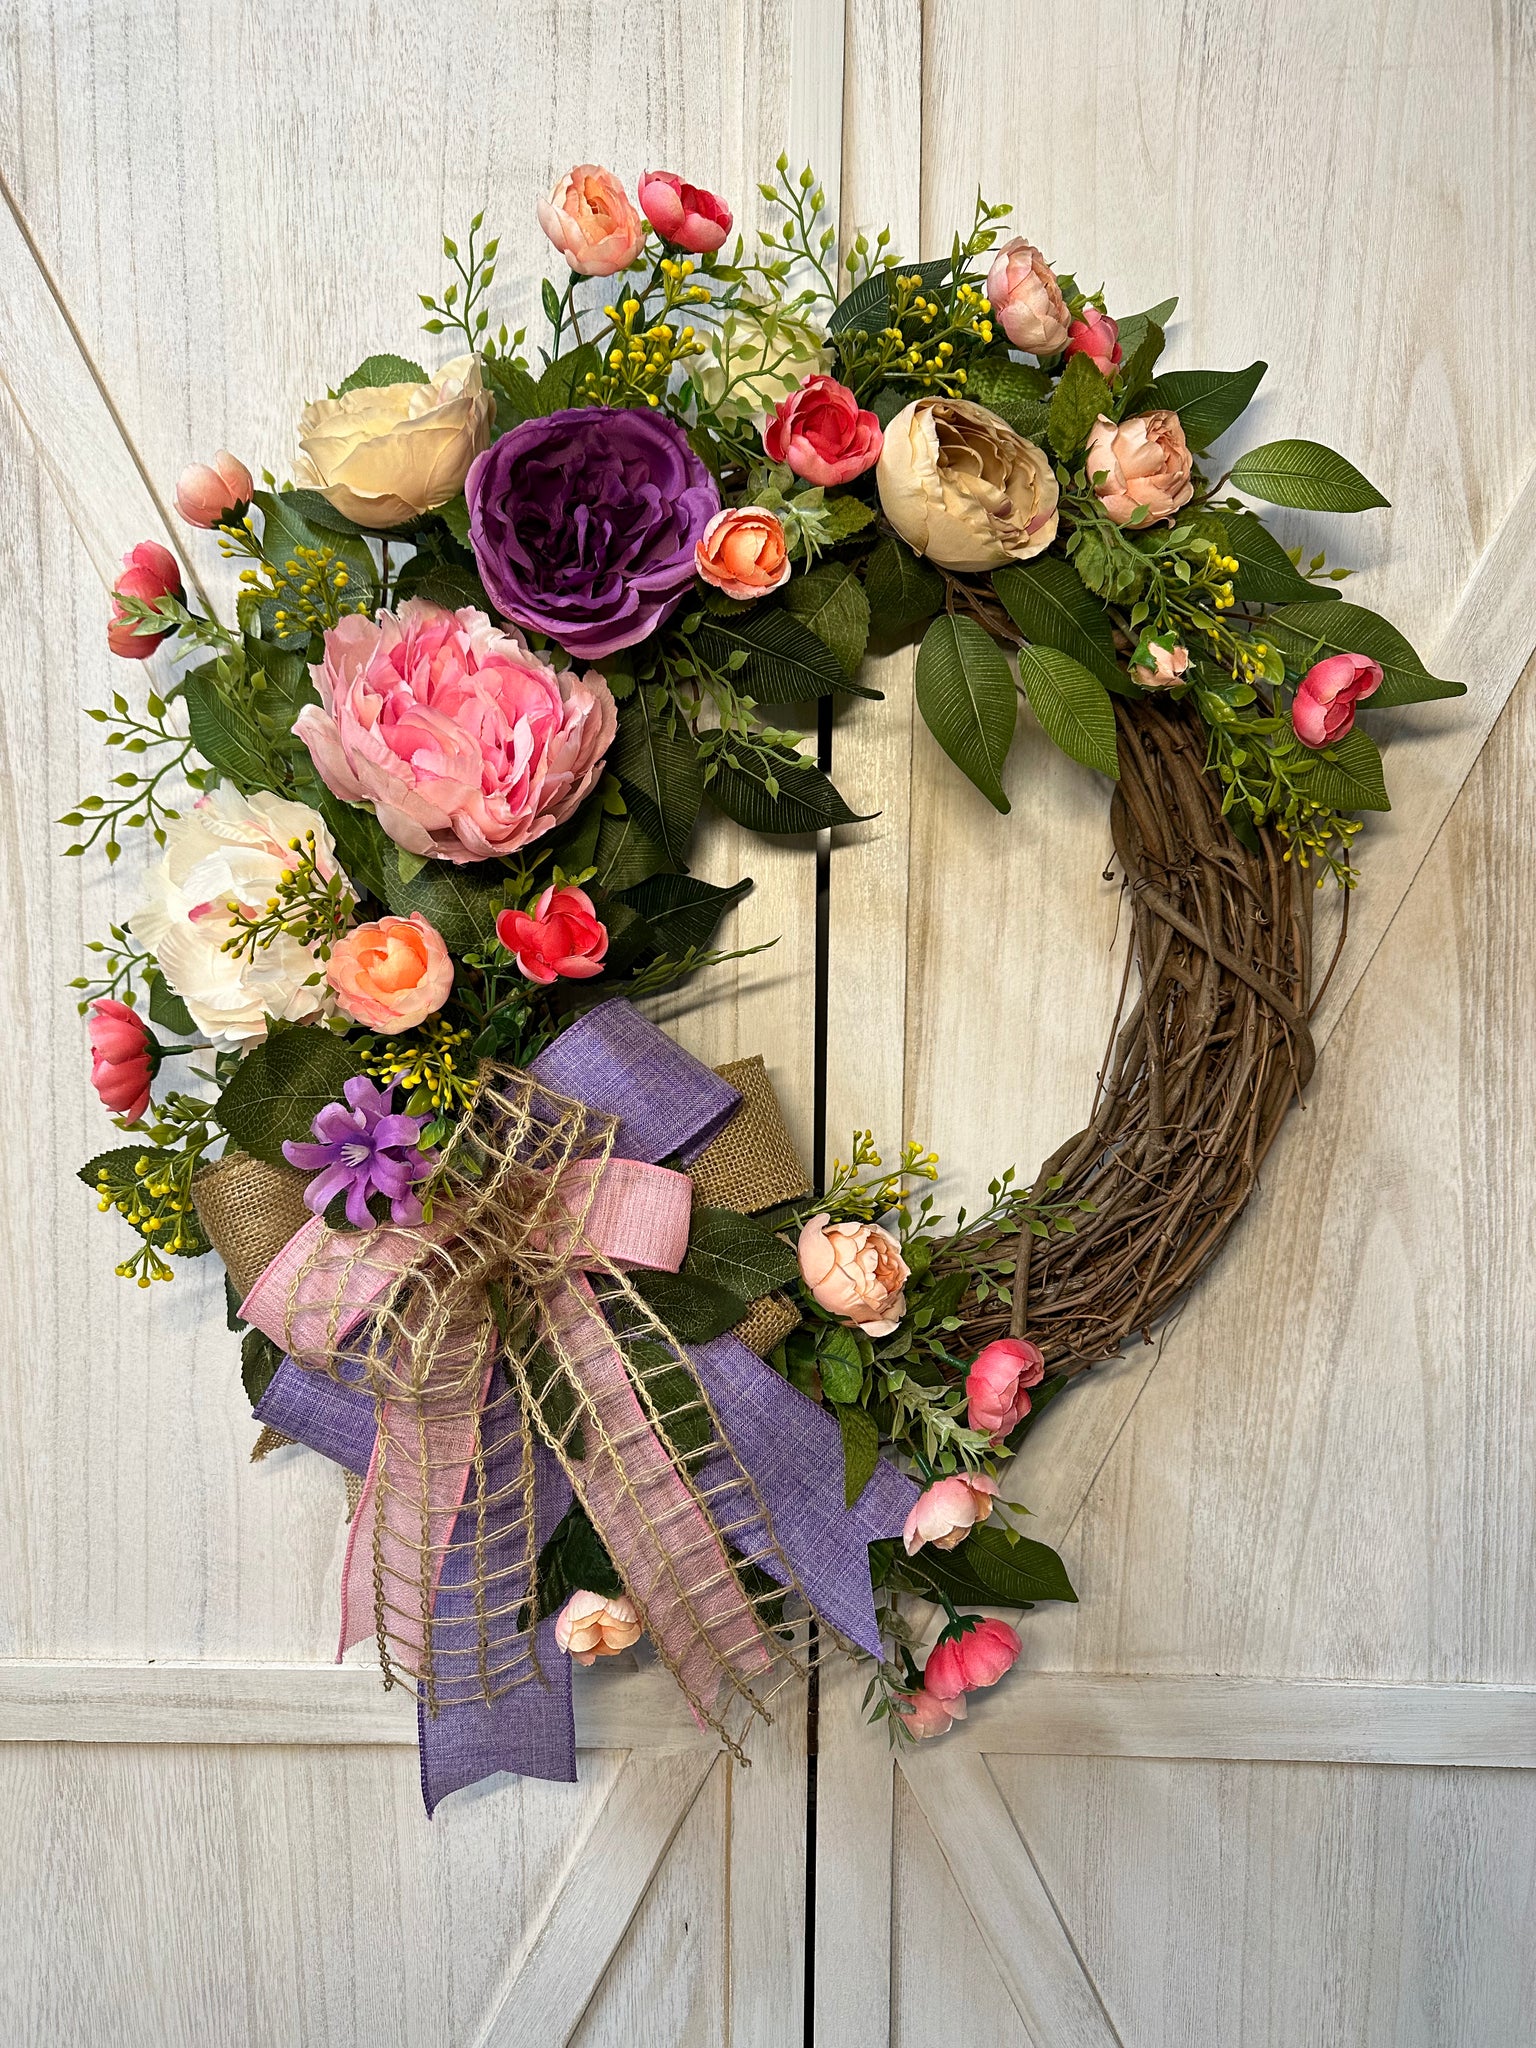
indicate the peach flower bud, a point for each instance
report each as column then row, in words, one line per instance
column 968, row 1662
column 390, row 975
column 149, row 572
column 856, row 1272
column 1027, row 299
column 948, row 1511
column 1097, row 337
column 924, row 1714
column 590, row 220
column 1327, row 694
column 685, row 215
column 207, row 492
column 742, row 552
column 960, row 486
column 590, row 1625
column 1140, row 467
column 996, row 1395
column 1169, row 661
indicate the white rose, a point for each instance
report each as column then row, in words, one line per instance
column 387, row 455
column 960, row 486
column 755, row 365
column 229, row 848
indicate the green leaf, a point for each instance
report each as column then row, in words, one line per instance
column 1048, row 602
column 225, row 734
column 867, row 307
column 378, row 371
column 450, row 584
column 841, row 1365
column 846, row 516
column 1016, row 392
column 806, row 802
column 830, row 602
column 455, row 516
column 1348, row 775
column 460, row 902
column 1138, row 364
column 1206, row 401
column 317, row 510
column 1134, row 326
column 1081, row 396
column 167, row 1009
column 861, row 1449
column 561, row 385
column 285, row 530
column 624, row 855
column 517, row 395
column 1072, row 705
column 738, row 1253
column 902, row 589
column 694, row 1309
column 1018, row 1570
column 682, row 1413
column 966, row 696
column 1305, row 475
column 259, row 1360
column 573, row 1561
column 1267, row 574
column 284, row 680
column 786, row 663
column 662, row 774
column 682, row 911
column 281, row 1086
column 366, row 852
column 1309, row 632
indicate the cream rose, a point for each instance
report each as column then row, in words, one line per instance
column 387, row 455
column 753, row 367
column 960, row 486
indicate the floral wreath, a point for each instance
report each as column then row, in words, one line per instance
column 597, row 1356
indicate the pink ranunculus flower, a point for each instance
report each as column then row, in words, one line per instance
column 945, row 1513
column 823, row 434
column 1094, row 335
column 207, row 492
column 593, row 1625
column 997, row 1385
column 1142, row 465
column 149, row 571
column 466, row 744
column 392, row 975
column 1170, row 660
column 685, row 215
column 923, row 1714
column 123, row 1057
column 1327, row 694
column 561, row 935
column 1027, row 300
column 969, row 1662
column 856, row 1272
column 743, row 552
column 591, row 221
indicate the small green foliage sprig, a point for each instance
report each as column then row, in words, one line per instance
column 314, row 908
column 151, row 1189
column 460, row 309
column 138, row 797
column 124, row 966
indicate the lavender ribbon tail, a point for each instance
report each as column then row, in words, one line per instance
column 336, row 1420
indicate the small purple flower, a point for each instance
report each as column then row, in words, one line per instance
column 363, row 1149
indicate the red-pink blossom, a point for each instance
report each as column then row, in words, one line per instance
column 1094, row 335
column 996, row 1386
column 967, row 1662
column 823, row 434
column 1327, row 694
column 562, row 935
column 685, row 215
column 122, row 1057
column 149, row 572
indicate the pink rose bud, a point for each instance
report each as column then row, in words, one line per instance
column 685, row 215
column 591, row 222
column 149, row 572
column 945, row 1514
column 969, row 1662
column 207, row 492
column 590, row 1625
column 1094, row 335
column 822, row 433
column 123, row 1057
column 996, row 1386
column 1027, row 300
column 1327, row 694
column 924, row 1714
column 742, row 552
column 1169, row 663
column 856, row 1272
column 392, row 975
column 562, row 935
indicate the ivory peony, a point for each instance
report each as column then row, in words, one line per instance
column 856, row 1272
column 754, row 365
column 960, row 486
column 388, row 454
column 1140, row 469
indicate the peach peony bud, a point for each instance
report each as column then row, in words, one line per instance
column 391, row 975
column 742, row 552
column 1140, row 467
column 1169, row 662
column 591, row 1625
column 856, row 1272
column 1327, row 694
column 924, row 1714
column 1027, row 299
column 968, row 1662
column 996, row 1386
column 960, row 486
column 945, row 1514
column 207, row 492
column 685, row 215
column 149, row 571
column 590, row 220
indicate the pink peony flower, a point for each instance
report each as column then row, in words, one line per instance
column 207, row 492
column 1169, row 663
column 822, row 433
column 1094, row 335
column 856, row 1272
column 590, row 1626
column 1027, row 300
column 924, row 1714
column 996, row 1386
column 971, row 1661
column 591, row 221
column 742, row 552
column 391, row 975
column 123, row 1057
column 149, row 571
column 946, row 1512
column 465, row 743
column 685, row 215
column 1140, row 466
column 562, row 935
column 1327, row 694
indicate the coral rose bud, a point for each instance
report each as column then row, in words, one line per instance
column 149, row 572
column 1140, row 469
column 743, row 552
column 1169, row 662
column 123, row 1057
column 856, row 1272
column 996, row 1395
column 924, row 1714
column 945, row 1514
column 1327, row 694
column 1027, row 299
column 968, row 1662
column 561, row 935
column 590, row 220
column 207, row 492
column 590, row 1625
column 685, row 215
column 391, row 975
column 1097, row 337
column 822, row 433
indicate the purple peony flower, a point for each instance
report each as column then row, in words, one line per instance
column 363, row 1149
column 584, row 523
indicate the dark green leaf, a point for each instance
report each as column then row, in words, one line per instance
column 378, row 371
column 624, row 855
column 861, row 1449
column 461, row 902
column 365, row 850
column 167, row 1009
column 450, row 584
column 1081, row 396
column 1016, row 392
column 786, row 663
column 1047, row 601
column 738, row 1253
column 1139, row 362
column 1072, row 705
column 682, row 1413
column 1267, row 574
column 694, row 1309
column 281, row 1086
column 806, row 802
column 867, row 307
column 662, row 774
column 1306, row 475
column 573, row 1561
column 966, row 695
column 259, row 1360
column 285, row 686
column 902, row 589
column 1309, row 632
column 830, row 602
column 317, row 510
column 1018, row 1571
column 285, row 530
column 225, row 734
column 517, row 395
column 682, row 911
column 562, row 384
column 1134, row 326
column 841, row 1364
column 1206, row 401
column 1352, row 779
